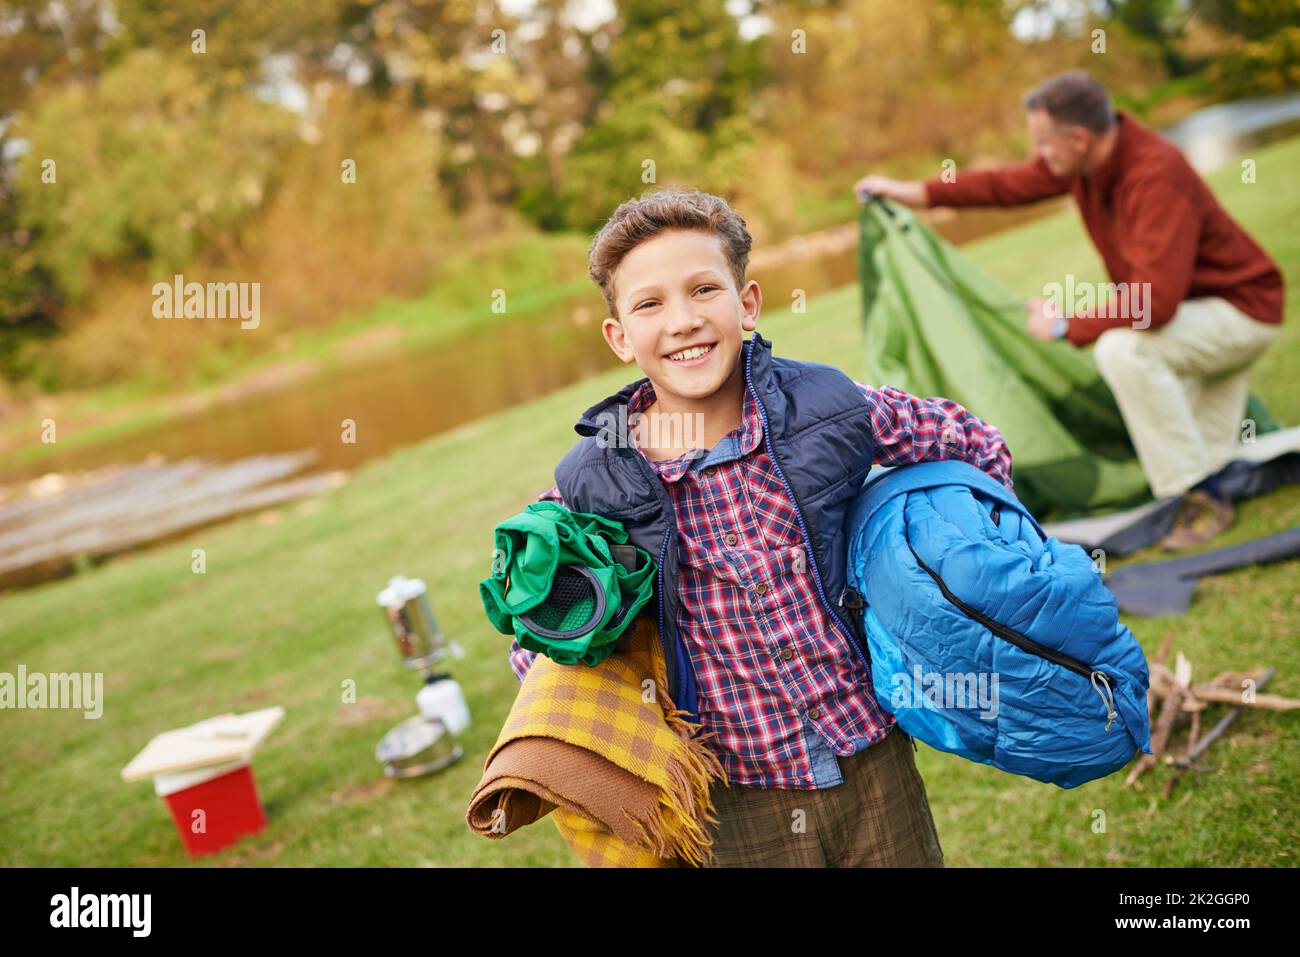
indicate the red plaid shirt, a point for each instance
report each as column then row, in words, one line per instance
column 777, row 677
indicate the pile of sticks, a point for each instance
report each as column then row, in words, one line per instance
column 1173, row 700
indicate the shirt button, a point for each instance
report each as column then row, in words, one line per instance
column 787, row 654
column 760, row 589
column 731, row 539
column 814, row 713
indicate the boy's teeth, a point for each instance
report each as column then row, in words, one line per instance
column 691, row 353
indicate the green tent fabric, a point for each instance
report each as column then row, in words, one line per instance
column 533, row 595
column 935, row 325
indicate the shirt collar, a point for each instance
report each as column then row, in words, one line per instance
column 1105, row 175
column 750, row 432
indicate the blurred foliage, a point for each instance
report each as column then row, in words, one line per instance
column 48, row 43
column 314, row 242
column 1270, row 65
column 143, row 169
column 1161, row 21
column 220, row 152
column 28, row 295
column 1268, row 61
column 1252, row 19
column 237, row 35
column 676, row 89
column 636, row 147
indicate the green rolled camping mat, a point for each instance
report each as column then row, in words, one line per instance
column 935, row 325
column 566, row 584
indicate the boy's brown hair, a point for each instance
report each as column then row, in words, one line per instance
column 637, row 220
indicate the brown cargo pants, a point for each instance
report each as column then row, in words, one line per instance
column 878, row 816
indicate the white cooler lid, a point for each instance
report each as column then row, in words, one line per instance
column 165, row 784
column 227, row 739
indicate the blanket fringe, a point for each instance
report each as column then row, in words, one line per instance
column 679, row 827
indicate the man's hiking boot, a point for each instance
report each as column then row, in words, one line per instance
column 1200, row 518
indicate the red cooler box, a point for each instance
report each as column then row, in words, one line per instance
column 212, row 807
column 205, row 774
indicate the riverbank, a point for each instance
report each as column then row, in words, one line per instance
column 544, row 273
column 540, row 271
column 285, row 615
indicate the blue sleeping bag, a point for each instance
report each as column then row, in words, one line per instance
column 988, row 638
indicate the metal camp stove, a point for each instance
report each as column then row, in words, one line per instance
column 425, row 742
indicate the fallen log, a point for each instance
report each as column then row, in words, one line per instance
column 41, row 539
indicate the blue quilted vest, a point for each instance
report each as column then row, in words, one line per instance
column 817, row 429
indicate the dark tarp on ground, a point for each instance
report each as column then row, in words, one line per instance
column 935, row 325
column 1165, row 588
column 1274, row 463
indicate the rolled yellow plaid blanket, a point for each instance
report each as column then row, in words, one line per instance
column 602, row 750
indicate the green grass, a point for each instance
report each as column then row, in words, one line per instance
column 285, row 614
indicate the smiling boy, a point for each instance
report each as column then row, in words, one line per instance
column 761, row 635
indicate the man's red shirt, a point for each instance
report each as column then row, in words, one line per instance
column 1153, row 219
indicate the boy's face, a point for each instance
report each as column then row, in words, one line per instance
column 674, row 292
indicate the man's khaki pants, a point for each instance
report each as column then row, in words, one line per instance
column 1182, row 388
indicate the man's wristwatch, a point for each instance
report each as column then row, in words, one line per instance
column 1060, row 328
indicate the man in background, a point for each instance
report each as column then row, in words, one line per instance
column 1195, row 300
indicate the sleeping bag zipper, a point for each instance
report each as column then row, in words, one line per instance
column 1027, row 644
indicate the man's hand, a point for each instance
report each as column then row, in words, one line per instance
column 1042, row 316
column 907, row 193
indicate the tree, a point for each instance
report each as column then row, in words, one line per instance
column 141, row 169
column 1160, row 21
column 1268, row 61
column 677, row 88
